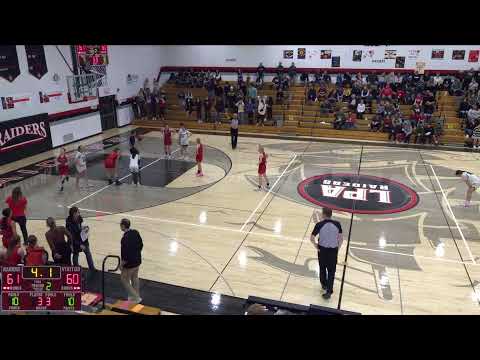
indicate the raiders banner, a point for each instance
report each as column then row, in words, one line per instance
column 24, row 137
column 9, row 67
column 37, row 64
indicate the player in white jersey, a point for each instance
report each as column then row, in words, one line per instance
column 472, row 181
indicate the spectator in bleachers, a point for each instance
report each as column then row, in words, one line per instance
column 239, row 77
column 339, row 79
column 381, row 80
column 350, row 121
column 327, row 78
column 304, row 78
column 407, row 130
column 387, row 124
column 219, row 109
column 322, row 91
column 261, row 111
column 473, row 86
column 251, row 92
column 372, row 78
column 395, row 129
column 140, row 100
column 311, row 95
column 430, row 134
column 250, row 109
column 324, row 107
column 456, row 88
column 386, row 92
column 240, row 110
column 353, row 103
column 279, row 69
column 197, row 104
column 340, row 120
column 347, row 93
column 375, row 123
column 360, row 109
column 207, row 109
column 269, row 108
column 463, row 109
column 172, row 79
column 473, row 115
column 292, row 73
column 438, row 81
column 260, row 73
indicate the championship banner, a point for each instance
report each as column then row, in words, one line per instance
column 51, row 96
column 24, row 137
column 16, row 101
column 9, row 67
column 37, row 63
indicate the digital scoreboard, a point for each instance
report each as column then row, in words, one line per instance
column 45, row 288
column 92, row 54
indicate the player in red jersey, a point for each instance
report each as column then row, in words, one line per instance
column 199, row 157
column 262, row 167
column 167, row 141
column 111, row 164
column 63, row 169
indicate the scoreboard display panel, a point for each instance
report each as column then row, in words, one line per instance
column 92, row 54
column 42, row 288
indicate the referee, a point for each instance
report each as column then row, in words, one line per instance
column 329, row 240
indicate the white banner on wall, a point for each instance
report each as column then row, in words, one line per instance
column 50, row 96
column 16, row 101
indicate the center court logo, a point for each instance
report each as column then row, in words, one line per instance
column 358, row 194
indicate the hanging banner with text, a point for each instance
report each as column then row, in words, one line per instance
column 9, row 67
column 37, row 64
column 24, row 137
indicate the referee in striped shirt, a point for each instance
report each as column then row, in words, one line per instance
column 329, row 241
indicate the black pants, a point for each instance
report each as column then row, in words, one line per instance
column 22, row 222
column 327, row 261
column 234, row 136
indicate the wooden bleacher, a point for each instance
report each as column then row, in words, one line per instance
column 305, row 120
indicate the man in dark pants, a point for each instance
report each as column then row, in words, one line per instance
column 131, row 255
column 329, row 241
column 234, row 131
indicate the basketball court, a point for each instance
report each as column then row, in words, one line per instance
column 412, row 246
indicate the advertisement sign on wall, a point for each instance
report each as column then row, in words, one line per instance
column 325, row 54
column 24, row 137
column 16, row 101
column 301, row 53
column 473, row 55
column 438, row 54
column 458, row 55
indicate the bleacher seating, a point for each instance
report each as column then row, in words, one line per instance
column 305, row 119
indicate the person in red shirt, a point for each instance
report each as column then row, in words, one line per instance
column 387, row 92
column 63, row 170
column 35, row 255
column 14, row 253
column 7, row 227
column 111, row 164
column 262, row 167
column 167, row 141
column 18, row 203
column 199, row 157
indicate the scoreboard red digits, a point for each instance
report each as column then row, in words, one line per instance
column 46, row 288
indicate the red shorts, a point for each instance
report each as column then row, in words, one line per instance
column 167, row 142
column 262, row 169
column 63, row 170
column 109, row 165
column 198, row 158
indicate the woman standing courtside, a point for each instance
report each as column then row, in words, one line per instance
column 74, row 225
column 18, row 203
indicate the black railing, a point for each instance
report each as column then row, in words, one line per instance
column 103, row 274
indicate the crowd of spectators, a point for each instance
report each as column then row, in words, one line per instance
column 150, row 103
column 352, row 97
column 468, row 110
column 379, row 98
column 239, row 97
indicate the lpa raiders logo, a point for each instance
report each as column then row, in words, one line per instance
column 359, row 194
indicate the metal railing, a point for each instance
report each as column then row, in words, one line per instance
column 103, row 274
